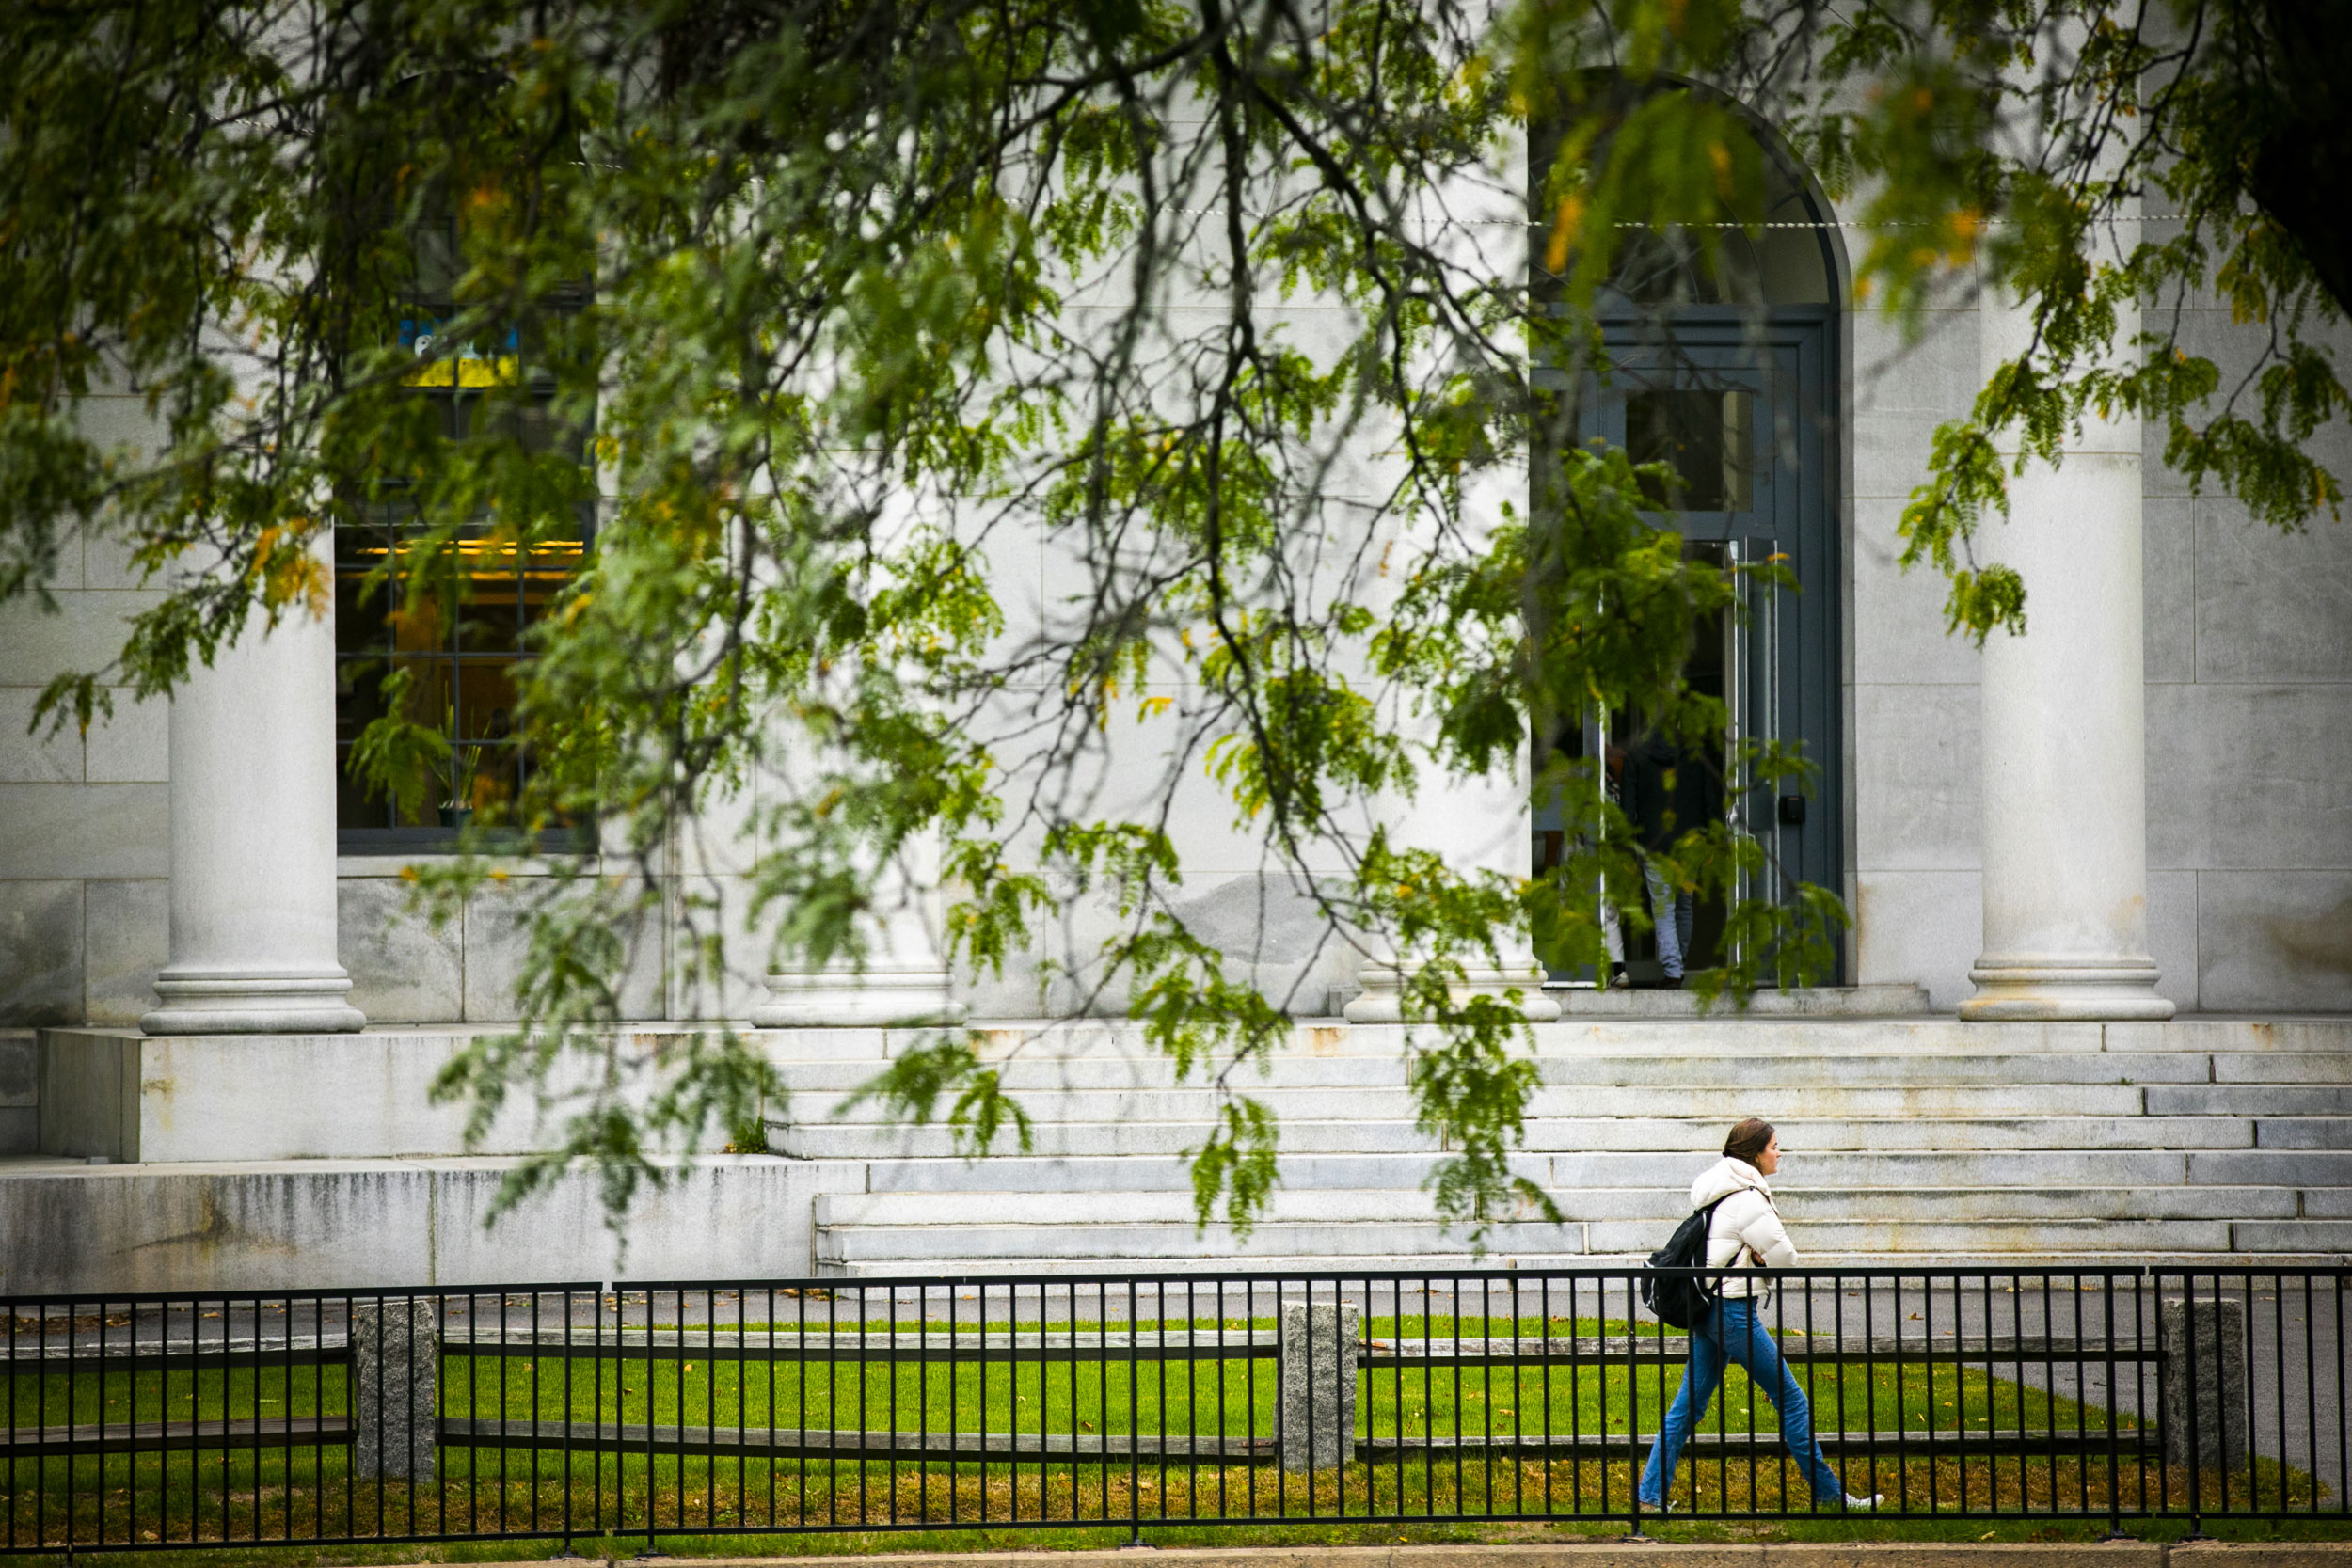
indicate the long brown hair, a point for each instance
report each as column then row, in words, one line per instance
column 1748, row 1140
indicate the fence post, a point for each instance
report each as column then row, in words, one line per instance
column 1316, row 1422
column 395, row 1377
column 2203, row 1378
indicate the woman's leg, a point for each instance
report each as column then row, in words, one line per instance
column 1700, row 1379
column 1746, row 1343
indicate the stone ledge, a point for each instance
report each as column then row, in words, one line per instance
column 1906, row 1000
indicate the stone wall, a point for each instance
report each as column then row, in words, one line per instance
column 84, row 828
column 20, row 1091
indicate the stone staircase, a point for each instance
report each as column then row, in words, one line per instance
column 1919, row 1140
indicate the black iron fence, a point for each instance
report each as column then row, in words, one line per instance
column 568, row 1411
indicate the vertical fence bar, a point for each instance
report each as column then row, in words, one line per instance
column 1632, row 1400
column 1159, row 1293
column 1134, row 1410
column 16, row 1459
column 2311, row 1389
column 40, row 1435
column 2279, row 1342
column 922, row 1397
column 2082, row 1407
column 2343, row 1405
column 2185, row 1347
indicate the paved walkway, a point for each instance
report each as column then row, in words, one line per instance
column 2122, row 1554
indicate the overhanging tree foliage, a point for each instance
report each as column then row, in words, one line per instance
column 846, row 301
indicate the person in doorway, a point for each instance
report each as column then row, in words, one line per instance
column 1744, row 1232
column 1612, row 928
column 1669, row 792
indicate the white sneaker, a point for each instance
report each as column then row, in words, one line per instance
column 1863, row 1505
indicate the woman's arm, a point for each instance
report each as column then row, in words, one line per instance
column 1768, row 1239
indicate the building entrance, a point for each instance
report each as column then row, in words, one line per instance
column 1717, row 363
column 1740, row 411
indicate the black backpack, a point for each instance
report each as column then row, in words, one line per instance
column 1676, row 1299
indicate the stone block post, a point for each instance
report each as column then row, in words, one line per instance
column 1315, row 1425
column 2202, row 1382
column 395, row 1381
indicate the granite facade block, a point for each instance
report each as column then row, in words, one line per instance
column 403, row 969
column 41, row 952
column 56, row 831
column 126, row 938
column 30, row 756
column 134, row 745
column 1920, row 925
column 2173, row 935
column 1938, row 373
column 1917, row 798
column 2248, row 777
column 2167, row 557
column 1898, row 616
column 20, row 1069
column 83, row 632
column 496, row 947
column 1891, row 450
column 2274, row 942
column 2271, row 607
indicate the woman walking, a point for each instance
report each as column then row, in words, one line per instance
column 1745, row 1231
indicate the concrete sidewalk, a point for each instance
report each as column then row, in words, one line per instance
column 1887, row 1554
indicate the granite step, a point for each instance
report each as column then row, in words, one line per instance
column 1662, row 1205
column 1294, row 1105
column 2250, row 1099
column 1016, row 1173
column 1577, row 1135
column 1294, row 1071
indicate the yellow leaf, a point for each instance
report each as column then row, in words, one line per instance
column 1563, row 235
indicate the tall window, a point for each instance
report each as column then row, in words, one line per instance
column 460, row 640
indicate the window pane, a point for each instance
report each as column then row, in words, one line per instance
column 1703, row 437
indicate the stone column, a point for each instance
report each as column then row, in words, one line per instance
column 2065, row 833
column 1475, row 824
column 253, row 840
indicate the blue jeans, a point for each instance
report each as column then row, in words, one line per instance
column 1730, row 1331
column 1672, row 914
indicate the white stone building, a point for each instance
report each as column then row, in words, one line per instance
column 2139, row 811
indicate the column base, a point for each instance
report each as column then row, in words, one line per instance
column 2013, row 988
column 904, row 998
column 253, row 1001
column 1383, row 1001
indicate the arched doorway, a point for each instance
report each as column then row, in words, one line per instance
column 1727, row 374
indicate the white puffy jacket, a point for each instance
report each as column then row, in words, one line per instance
column 1746, row 1231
